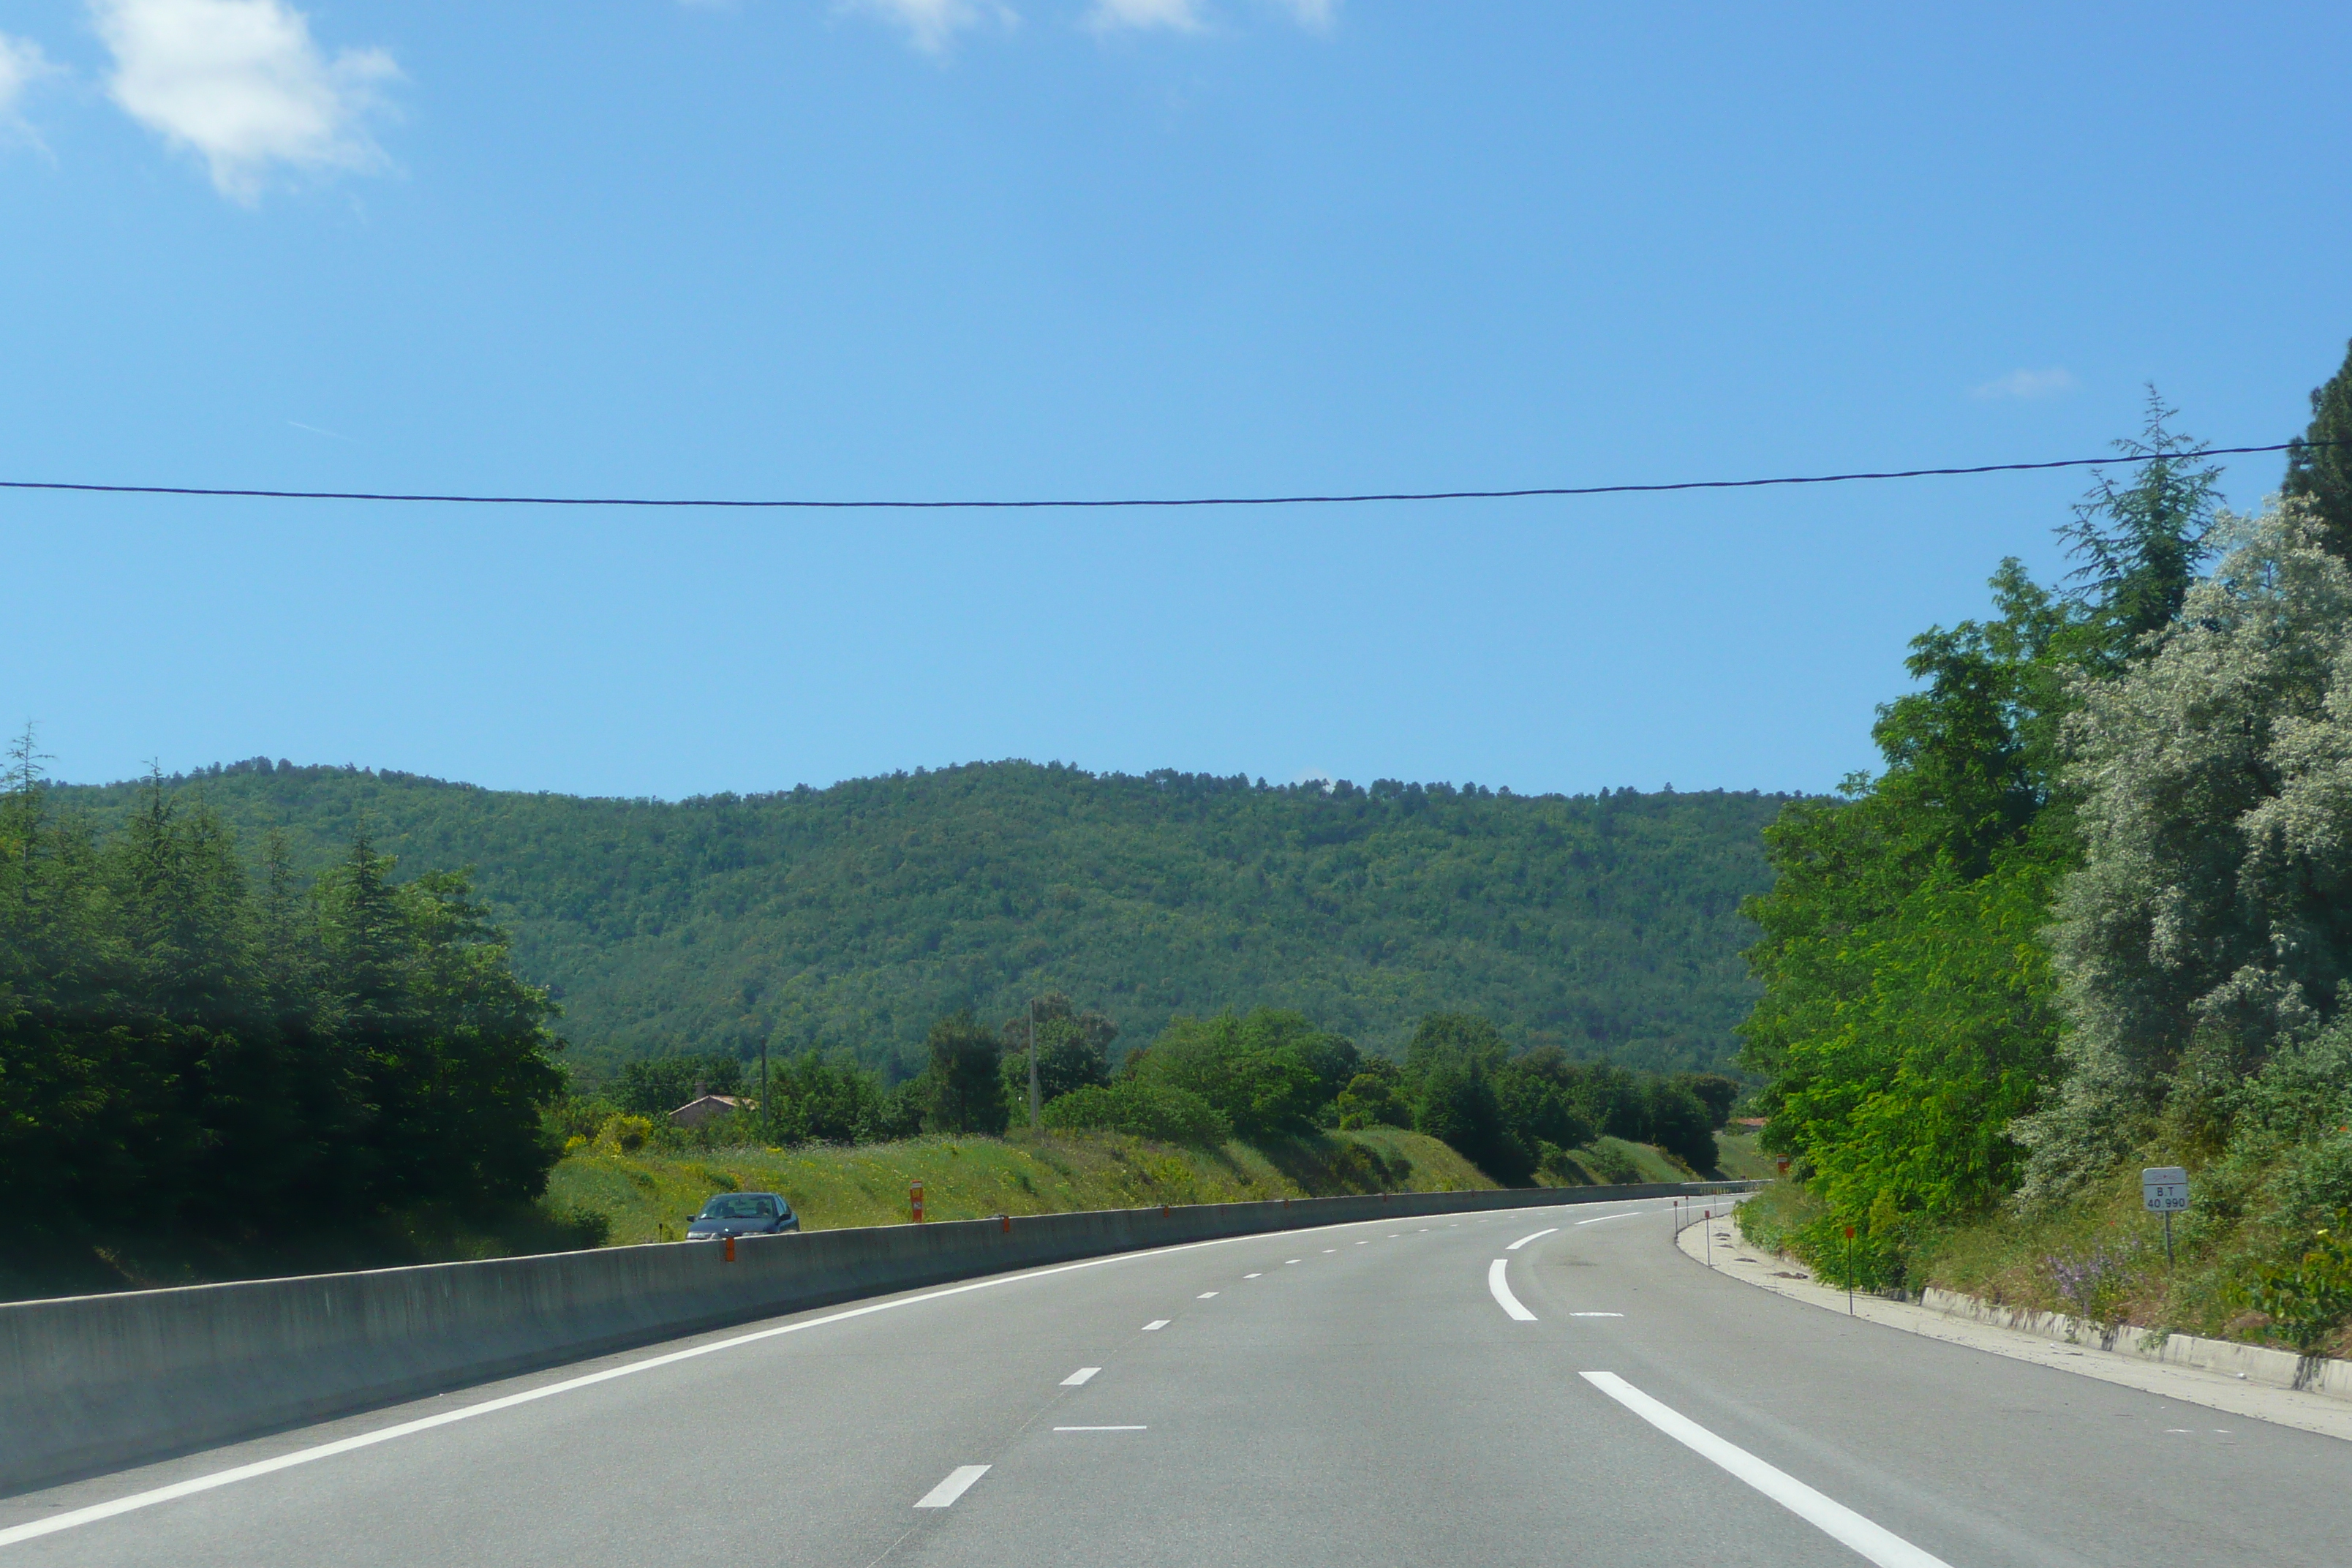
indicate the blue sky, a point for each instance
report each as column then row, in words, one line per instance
column 935, row 249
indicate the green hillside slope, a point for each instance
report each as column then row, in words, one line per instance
column 853, row 916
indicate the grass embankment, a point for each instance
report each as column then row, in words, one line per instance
column 1738, row 1159
column 646, row 1197
column 1607, row 1162
column 2100, row 1257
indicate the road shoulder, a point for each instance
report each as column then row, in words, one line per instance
column 1718, row 1244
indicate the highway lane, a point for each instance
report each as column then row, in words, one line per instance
column 1344, row 1395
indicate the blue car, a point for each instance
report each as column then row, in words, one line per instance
column 741, row 1214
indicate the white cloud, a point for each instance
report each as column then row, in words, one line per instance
column 2027, row 384
column 1180, row 16
column 242, row 84
column 1314, row 14
column 21, row 65
column 1191, row 16
column 932, row 25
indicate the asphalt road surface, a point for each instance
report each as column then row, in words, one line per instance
column 1555, row 1387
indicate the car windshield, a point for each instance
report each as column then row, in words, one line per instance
column 737, row 1208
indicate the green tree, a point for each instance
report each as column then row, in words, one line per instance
column 1717, row 1093
column 2142, row 542
column 1908, row 1016
column 1543, row 1099
column 185, row 1054
column 1459, row 1105
column 1468, row 1039
column 1680, row 1124
column 1264, row 1071
column 963, row 1088
column 2319, row 466
column 1375, row 1097
column 2210, row 924
column 817, row 1101
column 1074, row 1051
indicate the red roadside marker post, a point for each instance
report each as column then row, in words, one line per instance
column 915, row 1200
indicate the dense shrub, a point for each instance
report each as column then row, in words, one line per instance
column 1143, row 1109
column 1375, row 1097
column 623, row 1135
column 1269, row 1073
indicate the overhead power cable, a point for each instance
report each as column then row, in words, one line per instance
column 2118, row 461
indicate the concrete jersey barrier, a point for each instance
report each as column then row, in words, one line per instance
column 96, row 1382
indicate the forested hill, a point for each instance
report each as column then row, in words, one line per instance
column 853, row 916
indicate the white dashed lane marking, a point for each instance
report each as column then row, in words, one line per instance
column 958, row 1482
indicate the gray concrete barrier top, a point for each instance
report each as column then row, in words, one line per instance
column 95, row 1383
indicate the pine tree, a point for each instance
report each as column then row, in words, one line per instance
column 2319, row 465
column 2141, row 543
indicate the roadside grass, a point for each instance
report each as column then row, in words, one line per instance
column 1611, row 1162
column 1738, row 1158
column 2100, row 1257
column 647, row 1197
column 1775, row 1213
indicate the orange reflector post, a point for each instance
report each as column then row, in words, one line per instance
column 731, row 1249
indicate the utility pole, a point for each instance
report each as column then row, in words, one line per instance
column 1033, row 1102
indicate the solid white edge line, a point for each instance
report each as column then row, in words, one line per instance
column 73, row 1517
column 1537, row 1237
column 958, row 1482
column 1079, row 1376
column 1841, row 1523
column 1501, row 1288
column 1102, row 1429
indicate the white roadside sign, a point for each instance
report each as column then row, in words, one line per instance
column 2164, row 1189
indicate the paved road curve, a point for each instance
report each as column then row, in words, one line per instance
column 1364, row 1394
